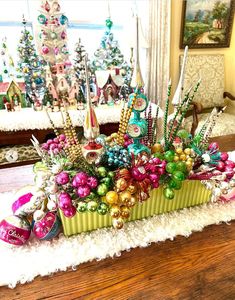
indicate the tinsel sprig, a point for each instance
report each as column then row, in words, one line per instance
column 166, row 112
column 155, row 127
column 183, row 114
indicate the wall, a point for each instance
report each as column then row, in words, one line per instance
column 176, row 10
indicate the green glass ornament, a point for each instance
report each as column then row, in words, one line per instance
column 183, row 134
column 178, row 175
column 91, row 196
column 107, row 181
column 168, row 193
column 169, row 155
column 197, row 139
column 82, row 207
column 171, row 167
column 102, row 171
column 175, row 184
column 92, row 206
column 102, row 208
column 159, row 155
column 111, row 174
column 181, row 166
column 102, row 189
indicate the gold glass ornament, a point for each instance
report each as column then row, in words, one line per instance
column 125, row 197
column 118, row 223
column 121, row 184
column 183, row 157
column 115, row 211
column 187, row 151
column 179, row 150
column 125, row 212
column 132, row 189
column 112, row 197
column 156, row 148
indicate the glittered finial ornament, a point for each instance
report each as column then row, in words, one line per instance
column 137, row 127
column 91, row 151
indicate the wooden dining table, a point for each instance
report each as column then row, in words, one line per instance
column 201, row 266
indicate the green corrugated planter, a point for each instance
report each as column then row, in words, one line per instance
column 192, row 193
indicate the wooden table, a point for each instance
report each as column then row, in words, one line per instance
column 199, row 267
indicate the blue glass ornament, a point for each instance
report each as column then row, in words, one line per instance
column 63, row 20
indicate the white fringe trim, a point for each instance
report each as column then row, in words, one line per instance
column 23, row 264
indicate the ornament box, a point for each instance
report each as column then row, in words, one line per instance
column 192, row 193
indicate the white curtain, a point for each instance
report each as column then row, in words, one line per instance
column 158, row 53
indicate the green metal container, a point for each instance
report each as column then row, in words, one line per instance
column 192, row 193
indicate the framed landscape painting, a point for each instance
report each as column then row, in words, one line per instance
column 207, row 23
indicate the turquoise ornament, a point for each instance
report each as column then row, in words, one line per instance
column 63, row 20
column 109, row 23
column 42, row 19
column 138, row 127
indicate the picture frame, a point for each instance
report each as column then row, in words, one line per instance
column 207, row 23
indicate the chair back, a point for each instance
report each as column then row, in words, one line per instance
column 210, row 68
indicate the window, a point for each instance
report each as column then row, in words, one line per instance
column 86, row 21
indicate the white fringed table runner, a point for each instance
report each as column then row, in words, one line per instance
column 23, row 264
column 28, row 119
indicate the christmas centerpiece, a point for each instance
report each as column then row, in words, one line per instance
column 132, row 174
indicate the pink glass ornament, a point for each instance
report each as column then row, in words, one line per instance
column 155, row 185
column 45, row 50
column 15, row 230
column 230, row 163
column 47, row 6
column 83, row 191
column 138, row 173
column 69, row 213
column 62, row 177
column 56, row 50
column 224, row 156
column 63, row 35
column 156, row 160
column 161, row 171
column 62, row 137
column 80, row 179
column 92, row 182
column 220, row 166
column 213, row 146
column 65, row 201
column 154, row 177
column 48, row 227
column 20, row 202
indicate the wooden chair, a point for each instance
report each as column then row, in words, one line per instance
column 210, row 68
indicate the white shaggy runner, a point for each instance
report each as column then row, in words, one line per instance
column 23, row 264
